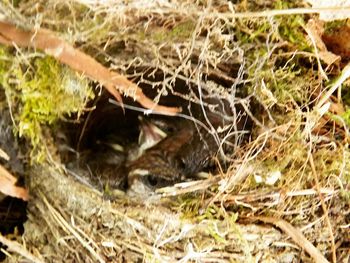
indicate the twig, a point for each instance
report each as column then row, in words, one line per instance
column 296, row 235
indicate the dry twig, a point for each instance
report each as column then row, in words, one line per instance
column 297, row 236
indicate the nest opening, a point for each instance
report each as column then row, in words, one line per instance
column 99, row 147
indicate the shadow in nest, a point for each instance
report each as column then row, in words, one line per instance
column 13, row 213
column 114, row 147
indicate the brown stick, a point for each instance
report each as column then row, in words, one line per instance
column 46, row 41
column 296, row 235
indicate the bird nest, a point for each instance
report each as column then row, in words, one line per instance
column 279, row 191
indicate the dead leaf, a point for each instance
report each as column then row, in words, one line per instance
column 46, row 41
column 315, row 30
column 338, row 42
column 336, row 107
column 7, row 185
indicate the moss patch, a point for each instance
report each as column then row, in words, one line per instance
column 41, row 91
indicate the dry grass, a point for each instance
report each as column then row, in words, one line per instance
column 284, row 196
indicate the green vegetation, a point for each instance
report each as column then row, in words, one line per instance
column 194, row 44
column 41, row 91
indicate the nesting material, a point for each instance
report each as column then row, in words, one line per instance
column 277, row 190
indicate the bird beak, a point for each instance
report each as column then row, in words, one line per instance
column 150, row 134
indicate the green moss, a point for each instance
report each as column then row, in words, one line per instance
column 96, row 29
column 189, row 205
column 346, row 102
column 285, row 75
column 269, row 44
column 41, row 91
column 280, row 29
column 249, row 31
column 292, row 161
column 346, row 94
column 331, row 26
column 291, row 29
column 214, row 233
column 5, row 64
column 284, row 83
column 346, row 117
column 179, row 32
column 183, row 30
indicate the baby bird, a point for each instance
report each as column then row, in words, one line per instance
column 176, row 157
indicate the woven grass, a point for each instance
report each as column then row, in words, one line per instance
column 282, row 197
